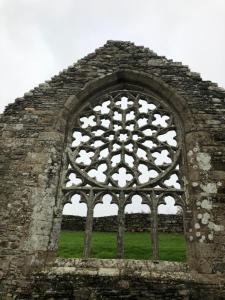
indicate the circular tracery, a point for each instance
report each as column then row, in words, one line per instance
column 127, row 140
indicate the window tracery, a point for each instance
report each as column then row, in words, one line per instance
column 127, row 144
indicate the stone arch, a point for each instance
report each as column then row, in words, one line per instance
column 137, row 78
column 126, row 79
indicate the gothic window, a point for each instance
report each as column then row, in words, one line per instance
column 124, row 143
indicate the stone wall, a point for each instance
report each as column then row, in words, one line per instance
column 107, row 279
column 133, row 222
column 34, row 134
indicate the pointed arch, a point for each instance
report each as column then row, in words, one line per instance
column 125, row 78
column 130, row 81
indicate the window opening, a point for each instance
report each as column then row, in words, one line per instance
column 105, row 224
column 128, row 143
column 137, row 244
column 171, row 230
column 71, row 239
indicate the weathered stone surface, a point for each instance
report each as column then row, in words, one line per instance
column 33, row 137
column 113, row 279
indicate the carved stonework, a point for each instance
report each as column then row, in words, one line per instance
column 126, row 143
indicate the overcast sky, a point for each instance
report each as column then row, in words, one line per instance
column 39, row 38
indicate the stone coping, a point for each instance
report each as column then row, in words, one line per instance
column 156, row 265
column 148, row 269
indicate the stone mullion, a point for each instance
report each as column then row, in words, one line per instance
column 121, row 225
column 88, row 225
column 154, row 228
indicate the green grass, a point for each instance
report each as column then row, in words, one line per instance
column 137, row 245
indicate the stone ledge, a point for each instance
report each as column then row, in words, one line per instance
column 163, row 270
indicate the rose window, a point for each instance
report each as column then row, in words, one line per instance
column 124, row 143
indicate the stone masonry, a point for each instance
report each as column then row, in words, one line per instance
column 135, row 222
column 33, row 138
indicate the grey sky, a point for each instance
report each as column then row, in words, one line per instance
column 40, row 38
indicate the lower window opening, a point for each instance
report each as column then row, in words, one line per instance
column 137, row 235
column 137, row 240
column 171, row 231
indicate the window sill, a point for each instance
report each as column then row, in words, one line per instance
column 117, row 267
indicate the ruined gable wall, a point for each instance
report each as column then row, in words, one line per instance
column 33, row 131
